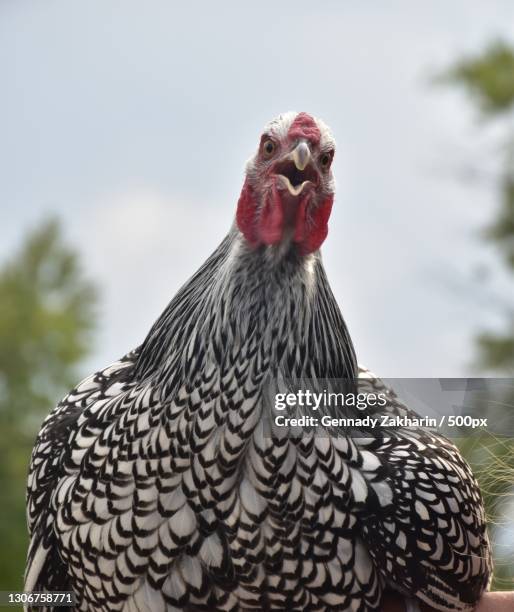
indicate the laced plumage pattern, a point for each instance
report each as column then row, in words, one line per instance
column 160, row 482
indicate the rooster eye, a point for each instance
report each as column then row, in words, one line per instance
column 268, row 148
column 325, row 160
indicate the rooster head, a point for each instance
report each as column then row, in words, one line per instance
column 289, row 187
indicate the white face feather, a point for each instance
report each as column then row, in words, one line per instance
column 279, row 126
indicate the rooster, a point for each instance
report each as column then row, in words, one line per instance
column 160, row 482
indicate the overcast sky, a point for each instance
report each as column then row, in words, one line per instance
column 133, row 122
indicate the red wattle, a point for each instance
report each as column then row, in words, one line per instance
column 271, row 223
column 312, row 229
column 267, row 226
column 246, row 214
column 300, row 230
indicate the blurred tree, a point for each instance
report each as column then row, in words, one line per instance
column 47, row 316
column 488, row 78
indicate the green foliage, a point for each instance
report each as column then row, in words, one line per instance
column 497, row 349
column 492, row 461
column 489, row 80
column 47, row 315
column 501, row 231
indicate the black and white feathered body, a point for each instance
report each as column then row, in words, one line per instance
column 161, row 484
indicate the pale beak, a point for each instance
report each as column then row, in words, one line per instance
column 296, row 170
column 301, row 155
